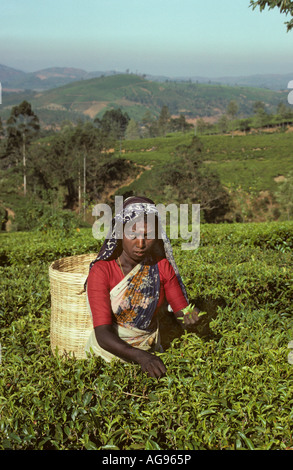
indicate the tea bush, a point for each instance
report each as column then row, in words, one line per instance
column 228, row 383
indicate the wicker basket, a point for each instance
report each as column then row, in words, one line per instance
column 71, row 323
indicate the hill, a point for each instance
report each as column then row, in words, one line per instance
column 54, row 77
column 43, row 79
column 136, row 95
column 8, row 76
column 268, row 81
column 251, row 167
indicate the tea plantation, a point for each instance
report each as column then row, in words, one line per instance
column 228, row 384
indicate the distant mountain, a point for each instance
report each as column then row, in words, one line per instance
column 269, row 81
column 54, row 77
column 50, row 78
column 44, row 79
column 9, row 75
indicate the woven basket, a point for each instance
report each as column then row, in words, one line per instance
column 71, row 323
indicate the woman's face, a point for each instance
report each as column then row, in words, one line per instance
column 139, row 240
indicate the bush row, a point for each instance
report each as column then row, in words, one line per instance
column 228, row 383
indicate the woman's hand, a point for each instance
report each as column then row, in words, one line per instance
column 108, row 339
column 151, row 364
column 189, row 318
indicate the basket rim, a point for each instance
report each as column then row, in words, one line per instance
column 56, row 273
column 51, row 266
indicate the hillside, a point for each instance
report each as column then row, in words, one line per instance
column 43, row 79
column 136, row 95
column 269, row 81
column 9, row 75
column 54, row 77
column 252, row 168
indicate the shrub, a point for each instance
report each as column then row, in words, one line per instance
column 228, row 383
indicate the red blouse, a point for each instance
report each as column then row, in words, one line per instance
column 105, row 275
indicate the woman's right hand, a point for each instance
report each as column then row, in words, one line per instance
column 108, row 339
column 151, row 364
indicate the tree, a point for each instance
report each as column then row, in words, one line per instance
column 193, row 182
column 85, row 138
column 232, row 111
column 22, row 126
column 285, row 6
column 132, row 131
column 201, row 125
column 259, row 107
column 113, row 123
column 284, row 111
column 261, row 116
column 180, row 124
column 69, row 162
column 163, row 121
column 223, row 124
column 285, row 196
column 149, row 123
column 1, row 128
column 245, row 125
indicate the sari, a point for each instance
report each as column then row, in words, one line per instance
column 134, row 299
column 133, row 302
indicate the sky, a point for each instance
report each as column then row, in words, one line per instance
column 174, row 38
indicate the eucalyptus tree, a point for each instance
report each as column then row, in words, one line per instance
column 132, row 131
column 164, row 120
column 1, row 128
column 232, row 111
column 22, row 126
column 85, row 139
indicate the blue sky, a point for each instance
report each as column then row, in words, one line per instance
column 160, row 37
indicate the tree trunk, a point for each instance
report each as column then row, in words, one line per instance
column 24, row 164
column 79, row 192
column 84, row 185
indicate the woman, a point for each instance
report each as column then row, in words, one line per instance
column 127, row 284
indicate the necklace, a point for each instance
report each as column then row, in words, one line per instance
column 121, row 266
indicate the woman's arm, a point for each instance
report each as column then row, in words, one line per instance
column 110, row 341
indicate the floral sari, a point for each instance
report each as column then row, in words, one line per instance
column 133, row 302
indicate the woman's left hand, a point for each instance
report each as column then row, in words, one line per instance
column 188, row 319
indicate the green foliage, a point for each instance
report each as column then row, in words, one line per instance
column 285, row 196
column 247, row 166
column 113, row 124
column 22, row 125
column 74, row 165
column 132, row 131
column 228, row 383
column 45, row 214
column 195, row 183
column 284, row 7
column 249, row 160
